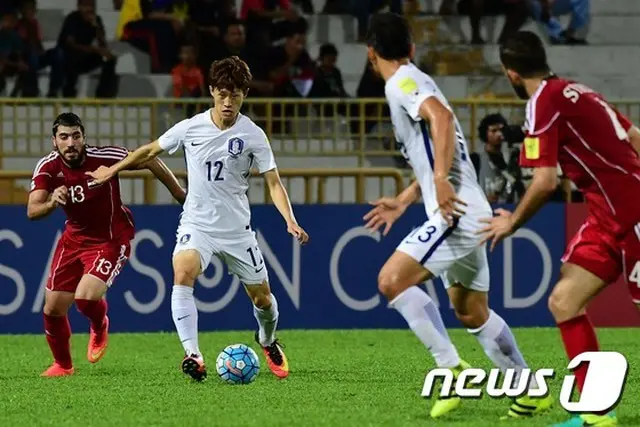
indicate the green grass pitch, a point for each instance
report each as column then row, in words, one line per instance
column 338, row 378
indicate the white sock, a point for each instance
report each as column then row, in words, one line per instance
column 267, row 321
column 500, row 345
column 425, row 321
column 185, row 317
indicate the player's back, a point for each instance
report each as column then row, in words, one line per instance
column 95, row 214
column 406, row 90
column 593, row 148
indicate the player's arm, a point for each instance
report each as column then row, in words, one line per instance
column 634, row 138
column 421, row 103
column 142, row 155
column 409, row 195
column 442, row 124
column 41, row 203
column 167, row 178
column 543, row 185
column 281, row 199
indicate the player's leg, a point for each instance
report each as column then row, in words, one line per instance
column 190, row 257
column 398, row 280
column 101, row 267
column 469, row 297
column 58, row 332
column 64, row 276
column 592, row 261
column 245, row 260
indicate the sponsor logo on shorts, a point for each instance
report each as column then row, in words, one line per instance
column 184, row 238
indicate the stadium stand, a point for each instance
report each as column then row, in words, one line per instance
column 318, row 141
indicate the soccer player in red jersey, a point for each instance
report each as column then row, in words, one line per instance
column 597, row 147
column 96, row 239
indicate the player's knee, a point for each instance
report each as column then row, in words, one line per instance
column 561, row 305
column 54, row 310
column 261, row 301
column 471, row 320
column 390, row 284
column 185, row 274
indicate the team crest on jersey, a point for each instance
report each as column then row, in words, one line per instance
column 185, row 238
column 236, row 145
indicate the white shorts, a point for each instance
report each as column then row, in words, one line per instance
column 452, row 253
column 241, row 253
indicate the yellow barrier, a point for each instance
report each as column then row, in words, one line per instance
column 297, row 127
column 314, row 180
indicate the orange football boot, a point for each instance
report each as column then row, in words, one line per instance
column 194, row 367
column 276, row 359
column 98, row 342
column 56, row 370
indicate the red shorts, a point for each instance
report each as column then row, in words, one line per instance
column 599, row 251
column 71, row 261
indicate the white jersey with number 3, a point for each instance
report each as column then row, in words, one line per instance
column 406, row 90
column 219, row 164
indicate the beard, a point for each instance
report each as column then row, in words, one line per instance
column 77, row 159
column 520, row 90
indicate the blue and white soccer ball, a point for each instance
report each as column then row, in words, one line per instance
column 238, row 364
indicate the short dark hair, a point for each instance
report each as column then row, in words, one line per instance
column 230, row 73
column 490, row 120
column 390, row 36
column 524, row 53
column 67, row 119
column 300, row 27
column 328, row 49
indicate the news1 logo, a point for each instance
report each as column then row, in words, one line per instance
column 602, row 390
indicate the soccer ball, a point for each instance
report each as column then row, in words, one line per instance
column 238, row 364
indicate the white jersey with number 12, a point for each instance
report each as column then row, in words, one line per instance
column 219, row 164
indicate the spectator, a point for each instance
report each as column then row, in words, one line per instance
column 31, row 34
column 327, row 82
column 153, row 27
column 278, row 17
column 515, row 12
column 11, row 60
column 362, row 10
column 76, row 40
column 371, row 85
column 234, row 44
column 290, row 66
column 500, row 177
column 187, row 78
column 545, row 12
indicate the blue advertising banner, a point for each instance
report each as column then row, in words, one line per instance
column 330, row 283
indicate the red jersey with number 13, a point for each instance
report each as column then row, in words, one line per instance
column 571, row 125
column 95, row 214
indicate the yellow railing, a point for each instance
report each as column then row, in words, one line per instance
column 327, row 127
column 386, row 181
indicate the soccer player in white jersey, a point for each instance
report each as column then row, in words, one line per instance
column 447, row 244
column 221, row 147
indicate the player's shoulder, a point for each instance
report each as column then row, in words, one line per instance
column 407, row 81
column 546, row 104
column 47, row 163
column 200, row 120
column 250, row 129
column 106, row 153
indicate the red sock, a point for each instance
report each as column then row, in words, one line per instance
column 58, row 332
column 579, row 336
column 94, row 310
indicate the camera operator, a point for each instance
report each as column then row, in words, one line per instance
column 500, row 174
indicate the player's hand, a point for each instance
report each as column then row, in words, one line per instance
column 387, row 210
column 498, row 227
column 59, row 196
column 100, row 175
column 449, row 204
column 298, row 232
